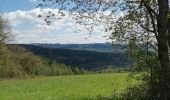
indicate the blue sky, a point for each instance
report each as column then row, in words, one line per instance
column 13, row 5
column 27, row 28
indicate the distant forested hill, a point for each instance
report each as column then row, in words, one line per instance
column 88, row 60
column 99, row 47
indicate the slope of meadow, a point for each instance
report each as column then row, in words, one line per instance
column 75, row 87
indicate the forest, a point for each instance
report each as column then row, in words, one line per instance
column 88, row 60
column 17, row 62
column 139, row 37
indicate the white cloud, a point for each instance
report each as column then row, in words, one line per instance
column 61, row 31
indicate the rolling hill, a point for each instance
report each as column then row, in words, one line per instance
column 88, row 60
column 98, row 47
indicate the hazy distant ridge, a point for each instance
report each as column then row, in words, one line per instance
column 98, row 47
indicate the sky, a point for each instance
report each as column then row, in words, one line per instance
column 27, row 28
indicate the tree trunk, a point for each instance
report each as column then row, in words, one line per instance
column 163, row 49
column 169, row 30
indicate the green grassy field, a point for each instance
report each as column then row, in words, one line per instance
column 75, row 87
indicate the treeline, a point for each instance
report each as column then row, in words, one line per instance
column 15, row 61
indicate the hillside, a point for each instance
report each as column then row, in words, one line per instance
column 88, row 60
column 98, row 47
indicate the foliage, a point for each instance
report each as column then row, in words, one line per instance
column 145, row 68
column 5, row 34
column 5, row 66
column 17, row 62
column 114, row 70
column 3, row 38
column 30, row 63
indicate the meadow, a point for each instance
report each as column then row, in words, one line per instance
column 74, row 87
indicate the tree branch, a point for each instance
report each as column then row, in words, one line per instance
column 151, row 10
column 151, row 14
column 147, row 29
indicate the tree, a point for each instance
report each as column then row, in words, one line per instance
column 147, row 20
column 4, row 36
